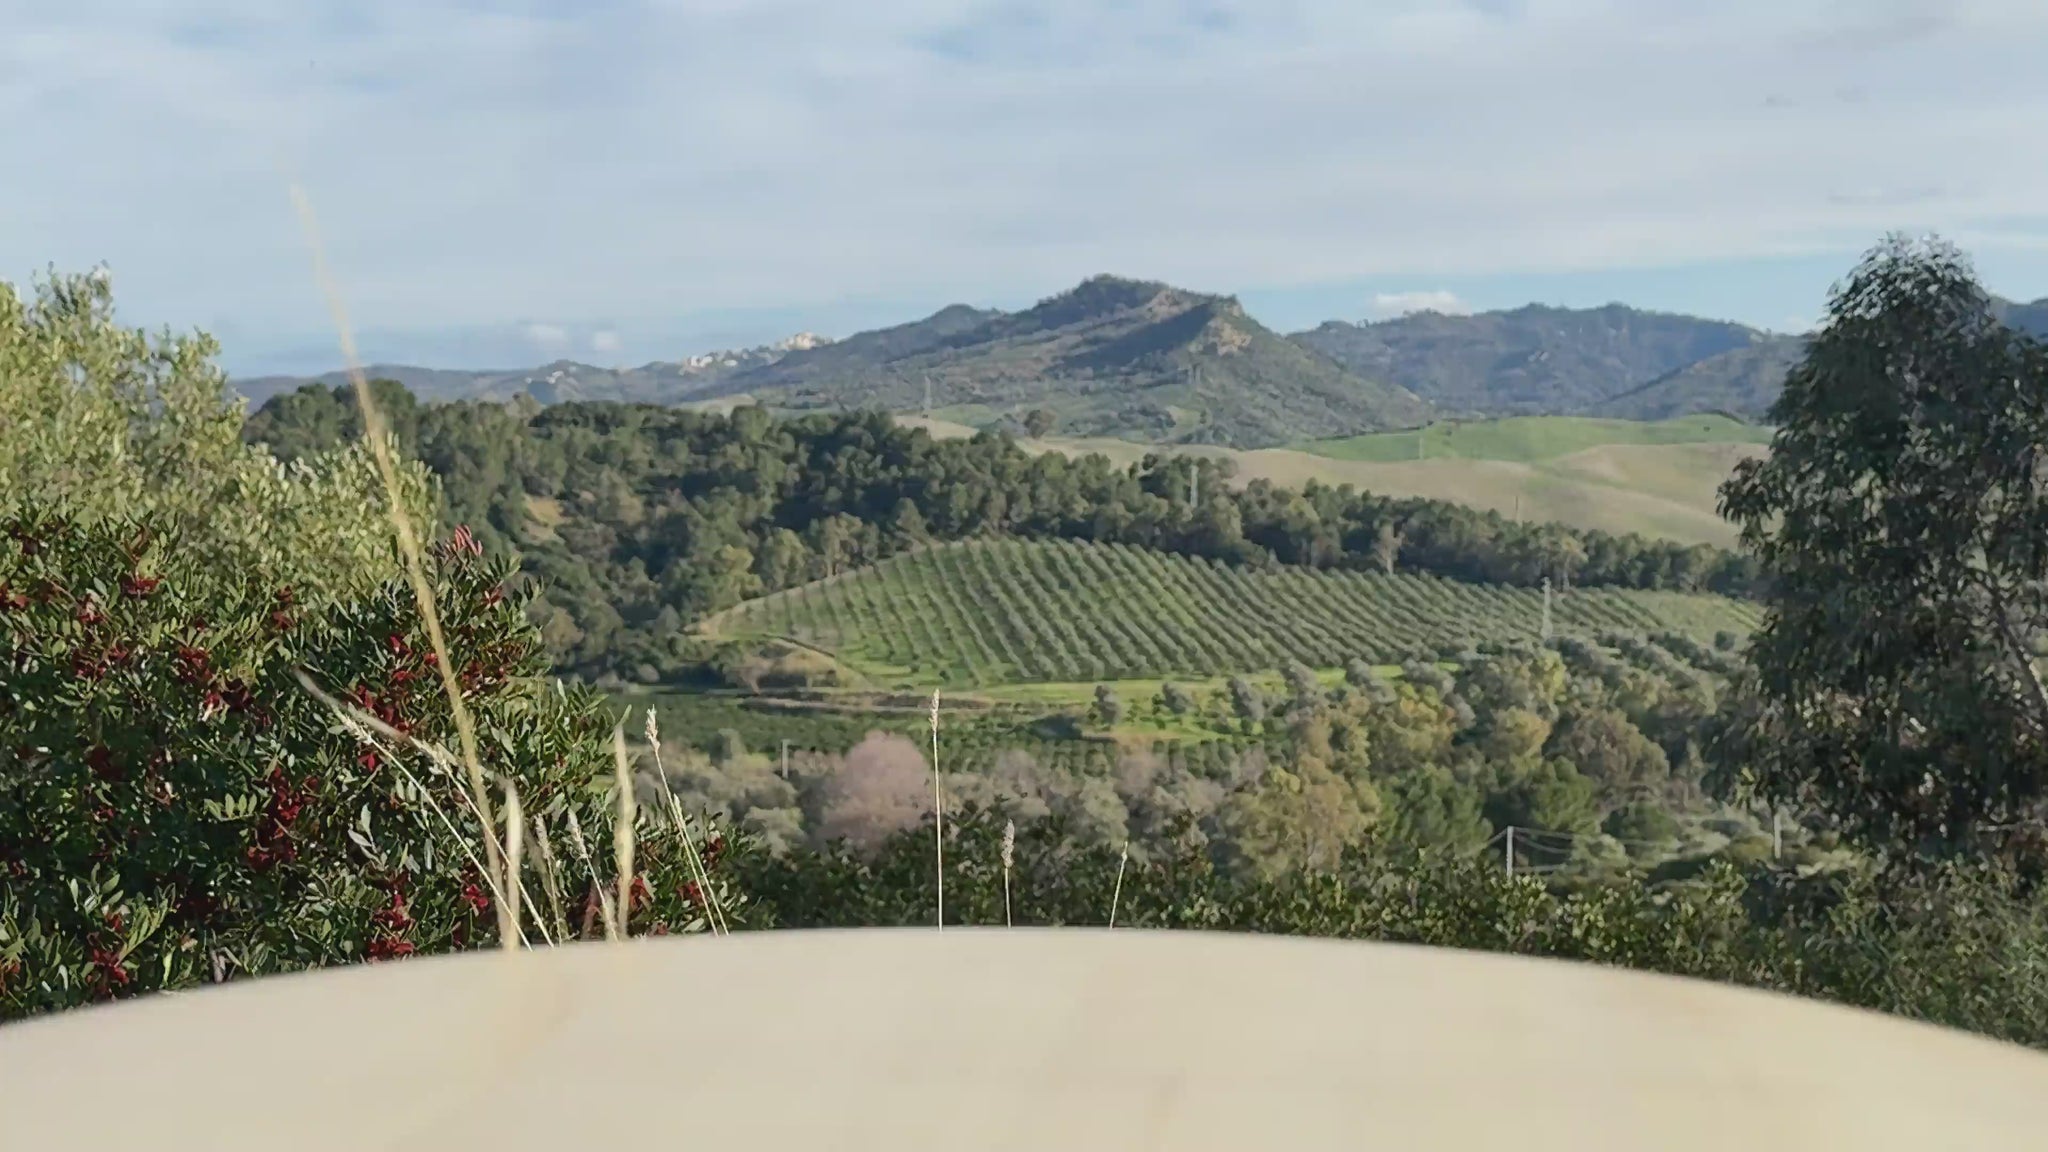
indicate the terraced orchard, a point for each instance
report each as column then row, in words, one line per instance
column 983, row 613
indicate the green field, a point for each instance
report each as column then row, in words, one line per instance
column 1530, row 439
column 985, row 613
column 1658, row 478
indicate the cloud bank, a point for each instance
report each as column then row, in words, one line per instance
column 1404, row 303
column 643, row 158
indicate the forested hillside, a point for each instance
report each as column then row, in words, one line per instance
column 637, row 520
column 1525, row 361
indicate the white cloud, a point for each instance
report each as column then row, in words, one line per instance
column 1403, row 303
column 605, row 341
column 547, row 336
column 471, row 165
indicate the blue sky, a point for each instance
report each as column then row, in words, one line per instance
column 624, row 180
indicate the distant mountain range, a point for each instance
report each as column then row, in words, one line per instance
column 661, row 382
column 1147, row 361
column 1110, row 357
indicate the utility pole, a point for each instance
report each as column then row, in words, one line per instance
column 785, row 759
column 1508, row 855
column 1546, row 607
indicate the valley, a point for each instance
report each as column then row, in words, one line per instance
column 1125, row 582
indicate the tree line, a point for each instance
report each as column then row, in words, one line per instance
column 636, row 520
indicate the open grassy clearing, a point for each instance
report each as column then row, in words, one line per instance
column 1055, row 693
column 987, row 613
column 1617, row 476
column 1528, row 439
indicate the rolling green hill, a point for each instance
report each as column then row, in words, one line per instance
column 983, row 613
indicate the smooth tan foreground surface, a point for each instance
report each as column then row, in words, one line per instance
column 974, row 1039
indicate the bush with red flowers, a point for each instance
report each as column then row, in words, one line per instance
column 178, row 807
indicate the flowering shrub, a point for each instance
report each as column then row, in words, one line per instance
column 176, row 806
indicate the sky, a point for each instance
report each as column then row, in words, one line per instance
column 617, row 181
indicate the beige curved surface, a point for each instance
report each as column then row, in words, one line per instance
column 993, row 1039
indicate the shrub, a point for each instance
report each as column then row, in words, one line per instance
column 1176, row 698
column 1965, row 949
column 176, row 807
column 1108, row 708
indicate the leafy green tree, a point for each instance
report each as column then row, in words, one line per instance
column 1305, row 692
column 1549, row 796
column 1531, row 681
column 103, row 422
column 1606, row 748
column 783, row 560
column 1386, row 546
column 1306, row 818
column 1901, row 524
column 1430, row 808
column 1039, row 423
column 1108, row 708
column 1246, row 701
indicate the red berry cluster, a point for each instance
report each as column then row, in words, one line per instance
column 109, row 971
column 90, row 667
column 281, row 618
column 473, row 892
column 388, row 925
column 273, row 844
column 100, row 759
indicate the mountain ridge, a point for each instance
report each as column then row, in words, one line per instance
column 658, row 381
column 1111, row 356
column 1144, row 360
